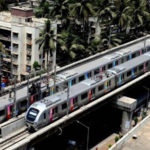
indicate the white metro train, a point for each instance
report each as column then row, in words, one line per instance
column 74, row 76
column 57, row 105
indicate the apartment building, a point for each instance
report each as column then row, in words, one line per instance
column 19, row 30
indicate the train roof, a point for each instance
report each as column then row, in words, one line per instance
column 83, row 86
column 130, row 64
column 20, row 94
column 83, row 68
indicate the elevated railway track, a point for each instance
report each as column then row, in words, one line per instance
column 23, row 139
column 23, row 85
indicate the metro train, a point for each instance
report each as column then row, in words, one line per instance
column 74, row 76
column 50, row 108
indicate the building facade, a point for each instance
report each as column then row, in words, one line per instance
column 19, row 30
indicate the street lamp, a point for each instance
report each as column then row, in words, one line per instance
column 88, row 129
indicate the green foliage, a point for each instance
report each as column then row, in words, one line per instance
column 135, row 120
column 36, row 65
column 120, row 21
column 110, row 145
column 117, row 138
column 144, row 114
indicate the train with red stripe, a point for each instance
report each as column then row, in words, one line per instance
column 59, row 104
column 72, row 77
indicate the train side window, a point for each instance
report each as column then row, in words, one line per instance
column 135, row 70
column 83, row 96
column 134, row 55
column 64, row 106
column 73, row 81
column 104, row 68
column 55, row 110
column 127, row 57
column 57, row 88
column 81, row 78
column 2, row 112
column 96, row 71
column 128, row 73
column 122, row 60
column 101, row 87
column 23, row 103
column 44, row 115
column 75, row 100
column 89, row 74
column 146, row 64
column 116, row 62
column 140, row 67
column 93, row 91
column 109, row 66
column 122, row 76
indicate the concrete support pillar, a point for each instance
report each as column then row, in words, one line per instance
column 127, row 105
column 126, row 121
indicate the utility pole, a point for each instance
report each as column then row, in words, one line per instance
column 68, row 90
column 28, row 92
column 0, row 73
column 88, row 131
column 14, row 112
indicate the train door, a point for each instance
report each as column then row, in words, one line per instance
column 51, row 115
column 144, row 67
column 114, row 63
column 133, row 73
column 9, row 111
column 91, row 94
column 106, row 86
column 71, row 104
column 120, row 79
column 51, row 90
column 130, row 56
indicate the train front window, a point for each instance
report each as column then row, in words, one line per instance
column 32, row 114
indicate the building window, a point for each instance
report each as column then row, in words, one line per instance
column 15, row 35
column 29, row 47
column 29, row 36
column 15, row 46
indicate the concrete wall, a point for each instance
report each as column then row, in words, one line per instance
column 12, row 126
column 129, row 135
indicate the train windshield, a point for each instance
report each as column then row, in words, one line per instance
column 32, row 113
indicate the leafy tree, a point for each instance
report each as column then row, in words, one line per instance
column 47, row 41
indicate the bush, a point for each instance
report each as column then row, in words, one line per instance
column 135, row 120
column 110, row 145
column 116, row 138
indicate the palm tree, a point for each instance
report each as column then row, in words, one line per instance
column 124, row 15
column 43, row 9
column 47, row 43
column 140, row 14
column 2, row 5
column 70, row 46
column 105, row 11
column 81, row 10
